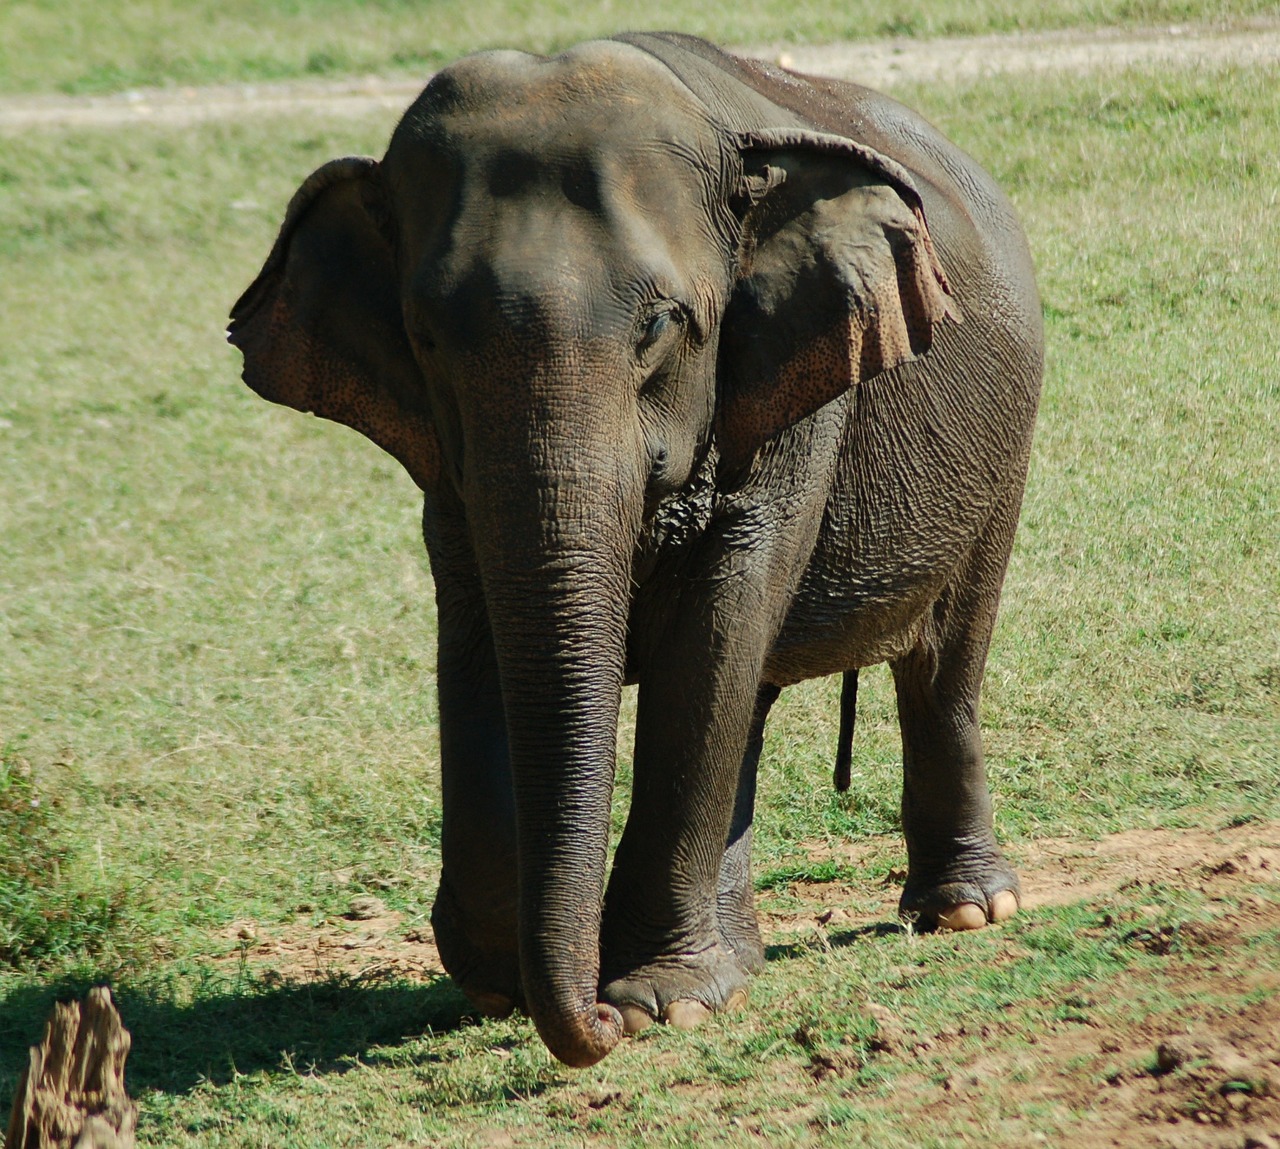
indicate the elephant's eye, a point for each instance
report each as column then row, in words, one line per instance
column 660, row 323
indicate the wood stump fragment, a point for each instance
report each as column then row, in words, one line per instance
column 72, row 1094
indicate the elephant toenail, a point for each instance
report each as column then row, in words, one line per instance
column 685, row 1014
column 965, row 916
column 1004, row 905
column 737, row 1001
column 635, row 1019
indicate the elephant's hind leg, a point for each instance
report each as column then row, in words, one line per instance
column 957, row 876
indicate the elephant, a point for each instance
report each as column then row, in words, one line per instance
column 715, row 378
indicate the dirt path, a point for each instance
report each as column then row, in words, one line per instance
column 880, row 64
column 884, row 63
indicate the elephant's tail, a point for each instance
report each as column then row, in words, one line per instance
column 844, row 744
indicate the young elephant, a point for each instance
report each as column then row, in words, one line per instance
column 715, row 378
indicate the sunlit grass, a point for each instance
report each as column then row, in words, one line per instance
column 80, row 46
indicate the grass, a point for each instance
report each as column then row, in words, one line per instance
column 42, row 918
column 216, row 694
column 79, row 46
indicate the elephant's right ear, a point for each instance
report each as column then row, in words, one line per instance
column 321, row 328
column 838, row 281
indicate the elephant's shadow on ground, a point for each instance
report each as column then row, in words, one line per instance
column 242, row 1027
column 323, row 1026
column 836, row 940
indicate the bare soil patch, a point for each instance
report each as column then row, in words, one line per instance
column 1227, row 865
column 358, row 945
column 1058, row 871
column 1209, row 1078
column 887, row 63
column 1207, row 1075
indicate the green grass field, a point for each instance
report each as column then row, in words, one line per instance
column 216, row 654
column 83, row 46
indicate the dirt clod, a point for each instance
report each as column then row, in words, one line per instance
column 962, row 1083
column 1171, row 1054
column 365, row 907
column 825, row 1063
column 889, row 1036
column 601, row 1096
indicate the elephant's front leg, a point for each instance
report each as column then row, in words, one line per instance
column 664, row 954
column 474, row 916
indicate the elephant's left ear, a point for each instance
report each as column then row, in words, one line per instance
column 838, row 281
column 321, row 328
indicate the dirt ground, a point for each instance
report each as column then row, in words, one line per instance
column 1208, row 1077
column 1216, row 1082
column 878, row 64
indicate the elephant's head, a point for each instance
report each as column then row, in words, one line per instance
column 562, row 286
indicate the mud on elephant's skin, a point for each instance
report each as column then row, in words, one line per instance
column 715, row 378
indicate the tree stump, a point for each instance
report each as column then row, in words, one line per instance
column 72, row 1094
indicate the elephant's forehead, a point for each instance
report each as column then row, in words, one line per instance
column 597, row 92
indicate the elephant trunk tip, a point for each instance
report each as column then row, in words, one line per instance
column 589, row 1038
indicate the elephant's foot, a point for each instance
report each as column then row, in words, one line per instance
column 682, row 991
column 483, row 962
column 967, row 894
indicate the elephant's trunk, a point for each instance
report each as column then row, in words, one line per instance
column 561, row 691
column 554, row 544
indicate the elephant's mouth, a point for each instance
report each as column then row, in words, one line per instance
column 679, row 517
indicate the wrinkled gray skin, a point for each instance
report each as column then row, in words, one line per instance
column 715, row 378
